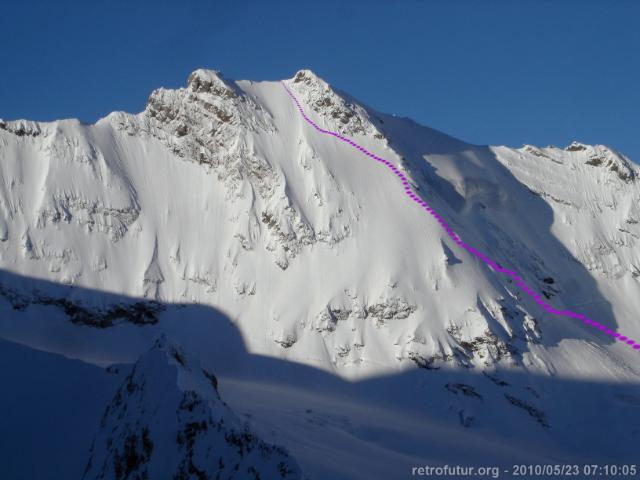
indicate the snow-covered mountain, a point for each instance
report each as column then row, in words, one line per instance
column 167, row 420
column 338, row 316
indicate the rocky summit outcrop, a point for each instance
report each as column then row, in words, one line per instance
column 220, row 193
column 346, row 322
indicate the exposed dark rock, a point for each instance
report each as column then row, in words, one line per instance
column 575, row 147
column 21, row 128
column 464, row 389
column 498, row 381
column 466, row 420
column 212, row 378
column 287, row 342
column 429, row 363
column 538, row 415
column 138, row 313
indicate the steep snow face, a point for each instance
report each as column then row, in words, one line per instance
column 167, row 420
column 342, row 321
column 593, row 192
column 219, row 193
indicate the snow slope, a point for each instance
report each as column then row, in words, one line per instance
column 292, row 265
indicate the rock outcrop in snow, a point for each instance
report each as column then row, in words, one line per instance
column 167, row 420
column 219, row 197
column 219, row 193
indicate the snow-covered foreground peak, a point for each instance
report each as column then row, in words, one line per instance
column 167, row 420
column 220, row 197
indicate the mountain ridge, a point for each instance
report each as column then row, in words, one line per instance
column 219, row 195
column 214, row 122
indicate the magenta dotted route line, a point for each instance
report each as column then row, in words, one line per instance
column 494, row 265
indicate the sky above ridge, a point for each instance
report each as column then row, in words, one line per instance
column 489, row 72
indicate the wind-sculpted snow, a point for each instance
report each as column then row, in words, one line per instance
column 219, row 193
column 215, row 124
column 291, row 258
column 514, row 276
